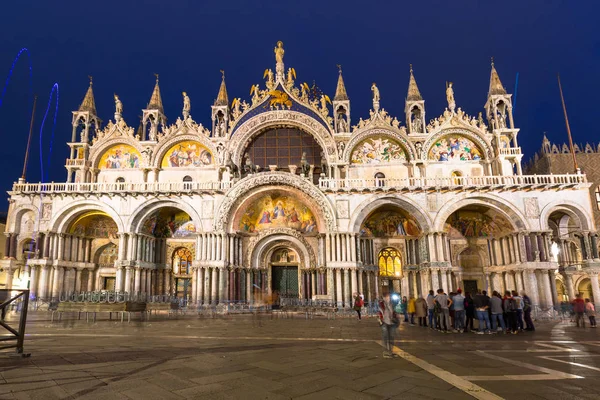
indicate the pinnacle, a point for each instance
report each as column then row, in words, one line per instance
column 496, row 86
column 222, row 98
column 340, row 91
column 88, row 103
column 156, row 100
column 413, row 89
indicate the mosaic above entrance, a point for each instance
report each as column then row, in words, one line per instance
column 94, row 225
column 120, row 156
column 187, row 154
column 169, row 223
column 455, row 148
column 278, row 210
column 473, row 224
column 389, row 223
column 377, row 150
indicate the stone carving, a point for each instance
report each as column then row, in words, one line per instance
column 186, row 104
column 432, row 202
column 235, row 194
column 118, row 105
column 304, row 165
column 375, row 91
column 342, row 124
column 450, row 97
column 384, row 132
column 343, row 208
column 221, row 154
column 208, row 209
column 532, row 207
column 46, row 210
column 279, row 52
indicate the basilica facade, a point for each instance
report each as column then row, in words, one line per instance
column 286, row 193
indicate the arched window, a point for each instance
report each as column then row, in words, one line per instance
column 182, row 261
column 120, row 180
column 456, row 175
column 379, row 179
column 390, row 264
column 598, row 197
column 187, row 178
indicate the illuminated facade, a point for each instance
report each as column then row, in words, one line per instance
column 285, row 192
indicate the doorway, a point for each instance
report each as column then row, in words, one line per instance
column 109, row 283
column 284, row 280
column 183, row 287
column 470, row 286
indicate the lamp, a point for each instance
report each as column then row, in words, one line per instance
column 555, row 250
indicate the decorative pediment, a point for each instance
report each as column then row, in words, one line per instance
column 111, row 131
column 182, row 127
column 454, row 120
column 379, row 119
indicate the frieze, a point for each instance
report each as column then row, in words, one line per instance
column 483, row 143
column 164, row 147
column 234, row 196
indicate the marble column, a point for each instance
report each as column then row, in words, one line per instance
column 354, row 282
column 137, row 280
column 595, row 289
column 553, row 287
column 57, row 282
column 214, row 286
column 200, row 285
column 547, row 288
column 127, row 286
column 44, row 282
column 570, row 287
column 208, row 296
column 90, row 281
column 338, row 286
column 347, row 292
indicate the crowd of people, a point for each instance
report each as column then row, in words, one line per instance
column 456, row 313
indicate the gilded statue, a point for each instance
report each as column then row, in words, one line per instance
column 187, row 106
column 375, row 91
column 450, row 97
column 279, row 52
column 118, row 105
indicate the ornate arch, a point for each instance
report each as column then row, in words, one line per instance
column 570, row 208
column 261, row 242
column 277, row 118
column 63, row 217
column 238, row 193
column 506, row 209
column 17, row 215
column 162, row 147
column 97, row 152
column 483, row 143
column 145, row 210
column 388, row 133
column 374, row 202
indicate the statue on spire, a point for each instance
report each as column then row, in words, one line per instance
column 376, row 96
column 118, row 108
column 450, row 97
column 279, row 51
column 187, row 106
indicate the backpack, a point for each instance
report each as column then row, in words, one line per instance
column 511, row 305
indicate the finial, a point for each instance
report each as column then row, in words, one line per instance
column 492, row 61
column 90, row 78
column 222, row 74
column 411, row 71
column 339, row 68
column 156, row 75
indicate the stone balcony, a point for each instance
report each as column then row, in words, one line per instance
column 522, row 182
column 77, row 162
column 510, row 151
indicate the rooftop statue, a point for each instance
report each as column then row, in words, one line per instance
column 279, row 51
column 450, row 97
column 187, row 106
column 118, row 105
column 375, row 91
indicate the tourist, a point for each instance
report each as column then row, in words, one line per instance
column 458, row 302
column 444, row 304
column 579, row 308
column 403, row 307
column 527, row 306
column 590, row 311
column 358, row 304
column 412, row 309
column 510, row 308
column 482, row 303
column 451, row 310
column 469, row 312
column 430, row 309
column 519, row 309
column 421, row 312
column 497, row 311
column 388, row 320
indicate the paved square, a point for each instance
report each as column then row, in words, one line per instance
column 242, row 357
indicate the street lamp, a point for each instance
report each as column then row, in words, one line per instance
column 555, row 250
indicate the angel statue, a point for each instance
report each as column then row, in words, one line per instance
column 187, row 106
column 375, row 91
column 279, row 52
column 324, row 100
column 118, row 105
column 450, row 97
column 304, row 165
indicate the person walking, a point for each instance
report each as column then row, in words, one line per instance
column 431, row 309
column 497, row 312
column 388, row 321
column 469, row 312
column 527, row 307
column 519, row 309
column 482, row 303
column 579, row 308
column 590, row 311
column 358, row 304
column 421, row 311
column 444, row 303
column 459, row 311
column 412, row 309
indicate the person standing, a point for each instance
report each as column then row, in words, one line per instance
column 482, row 303
column 421, row 306
column 527, row 306
column 510, row 308
column 403, row 307
column 459, row 311
column 519, row 309
column 444, row 304
column 469, row 312
column 412, row 309
column 358, row 304
column 388, row 320
column 579, row 308
column 430, row 309
column 497, row 311
column 590, row 311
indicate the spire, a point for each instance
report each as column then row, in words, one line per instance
column 222, row 99
column 413, row 89
column 340, row 91
column 156, row 101
column 495, row 84
column 88, row 103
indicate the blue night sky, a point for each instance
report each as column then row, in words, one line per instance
column 123, row 43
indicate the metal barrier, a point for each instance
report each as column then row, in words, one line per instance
column 20, row 302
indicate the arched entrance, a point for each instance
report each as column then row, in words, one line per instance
column 471, row 264
column 284, row 265
column 585, row 289
column 181, row 262
column 105, row 260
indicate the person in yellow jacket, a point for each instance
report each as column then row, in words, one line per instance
column 412, row 309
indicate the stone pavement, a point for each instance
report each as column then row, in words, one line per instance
column 243, row 358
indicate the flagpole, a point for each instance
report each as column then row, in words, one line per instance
column 28, row 140
column 568, row 127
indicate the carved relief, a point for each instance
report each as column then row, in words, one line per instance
column 208, row 208
column 46, row 211
column 343, row 208
column 532, row 207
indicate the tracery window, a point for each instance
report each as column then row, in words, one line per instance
column 379, row 179
column 182, row 261
column 187, row 178
column 390, row 264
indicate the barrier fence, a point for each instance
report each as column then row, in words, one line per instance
column 15, row 301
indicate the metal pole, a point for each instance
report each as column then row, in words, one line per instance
column 567, row 122
column 29, row 139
